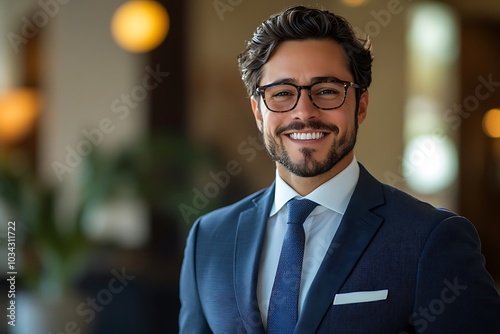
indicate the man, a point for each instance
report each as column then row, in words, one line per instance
column 371, row 259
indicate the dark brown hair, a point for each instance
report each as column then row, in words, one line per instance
column 301, row 23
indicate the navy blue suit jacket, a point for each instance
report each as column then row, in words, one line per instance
column 428, row 259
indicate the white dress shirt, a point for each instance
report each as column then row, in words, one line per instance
column 320, row 227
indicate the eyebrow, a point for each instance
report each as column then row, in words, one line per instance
column 312, row 81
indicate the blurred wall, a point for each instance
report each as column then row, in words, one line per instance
column 84, row 72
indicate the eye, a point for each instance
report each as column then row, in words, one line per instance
column 327, row 90
column 281, row 91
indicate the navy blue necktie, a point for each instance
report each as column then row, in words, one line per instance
column 283, row 304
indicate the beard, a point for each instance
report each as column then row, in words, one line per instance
column 308, row 166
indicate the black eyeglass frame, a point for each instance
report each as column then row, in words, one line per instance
column 260, row 90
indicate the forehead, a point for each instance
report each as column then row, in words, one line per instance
column 303, row 60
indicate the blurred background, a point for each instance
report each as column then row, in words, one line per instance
column 123, row 121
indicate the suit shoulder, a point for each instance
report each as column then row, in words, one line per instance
column 396, row 203
column 405, row 205
column 230, row 213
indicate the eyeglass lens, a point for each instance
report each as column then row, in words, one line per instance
column 284, row 97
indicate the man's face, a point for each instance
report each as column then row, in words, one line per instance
column 332, row 132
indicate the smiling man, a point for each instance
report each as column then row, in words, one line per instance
column 327, row 248
column 309, row 130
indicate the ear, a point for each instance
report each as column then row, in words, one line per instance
column 256, row 111
column 363, row 106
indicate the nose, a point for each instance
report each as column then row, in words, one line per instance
column 305, row 109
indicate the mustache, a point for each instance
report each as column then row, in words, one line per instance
column 312, row 124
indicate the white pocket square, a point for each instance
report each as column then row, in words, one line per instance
column 360, row 297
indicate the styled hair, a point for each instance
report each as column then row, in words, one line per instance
column 302, row 23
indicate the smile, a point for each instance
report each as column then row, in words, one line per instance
column 307, row 136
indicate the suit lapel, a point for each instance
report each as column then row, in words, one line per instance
column 248, row 245
column 358, row 227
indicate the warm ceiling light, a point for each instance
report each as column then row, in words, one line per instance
column 18, row 111
column 491, row 123
column 354, row 3
column 140, row 26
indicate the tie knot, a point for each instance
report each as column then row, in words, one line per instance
column 299, row 209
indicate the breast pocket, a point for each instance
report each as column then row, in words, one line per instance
column 360, row 297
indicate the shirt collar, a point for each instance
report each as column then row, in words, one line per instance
column 334, row 194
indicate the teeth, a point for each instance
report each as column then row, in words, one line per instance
column 307, row 136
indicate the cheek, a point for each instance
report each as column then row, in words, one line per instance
column 347, row 117
column 350, row 104
column 344, row 120
column 270, row 122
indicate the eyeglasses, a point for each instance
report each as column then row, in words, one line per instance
column 325, row 95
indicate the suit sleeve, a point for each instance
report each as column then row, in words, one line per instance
column 455, row 293
column 191, row 316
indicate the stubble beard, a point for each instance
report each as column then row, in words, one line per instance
column 308, row 166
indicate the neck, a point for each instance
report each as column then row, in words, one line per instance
column 305, row 185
